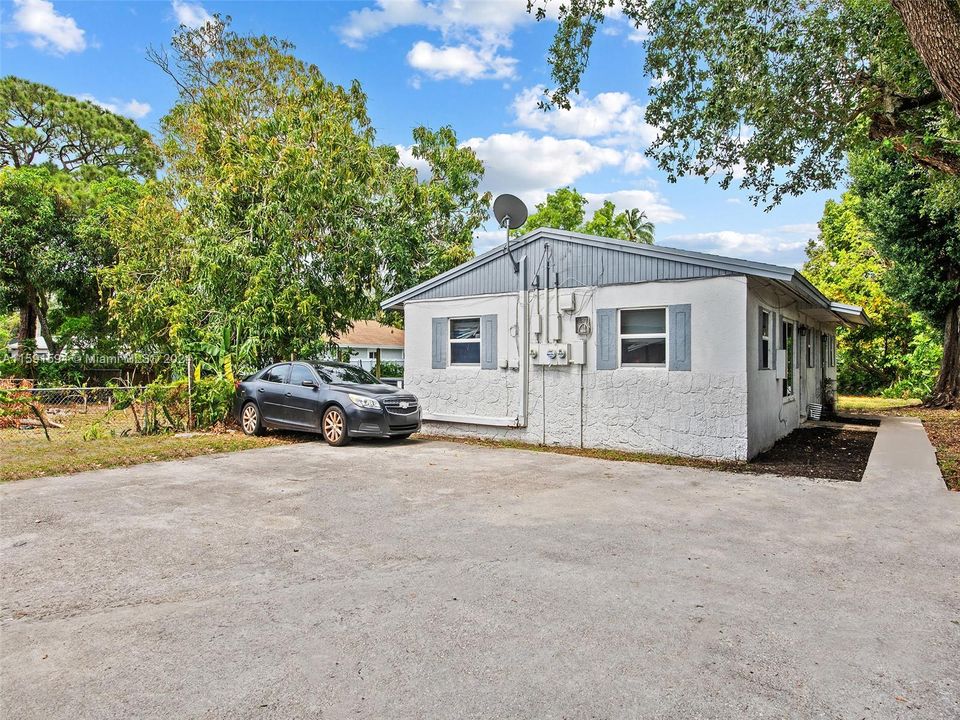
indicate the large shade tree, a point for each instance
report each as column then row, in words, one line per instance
column 778, row 94
column 278, row 212
column 49, row 252
column 913, row 214
column 39, row 125
column 898, row 351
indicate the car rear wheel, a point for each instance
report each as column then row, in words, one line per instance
column 334, row 426
column 250, row 420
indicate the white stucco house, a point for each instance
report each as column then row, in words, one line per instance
column 584, row 341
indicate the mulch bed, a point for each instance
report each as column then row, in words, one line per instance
column 818, row 452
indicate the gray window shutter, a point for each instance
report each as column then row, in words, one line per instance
column 760, row 358
column 775, row 346
column 488, row 345
column 607, row 339
column 679, row 337
column 441, row 327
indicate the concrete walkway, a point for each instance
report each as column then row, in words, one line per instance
column 903, row 462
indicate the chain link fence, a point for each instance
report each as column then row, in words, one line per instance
column 87, row 412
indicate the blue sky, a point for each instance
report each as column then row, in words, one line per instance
column 477, row 65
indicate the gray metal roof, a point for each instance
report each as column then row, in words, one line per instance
column 589, row 260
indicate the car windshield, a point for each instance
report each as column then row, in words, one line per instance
column 345, row 375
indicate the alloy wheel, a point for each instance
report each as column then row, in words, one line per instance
column 250, row 419
column 333, row 426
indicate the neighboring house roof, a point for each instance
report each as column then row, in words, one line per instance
column 589, row 260
column 370, row 333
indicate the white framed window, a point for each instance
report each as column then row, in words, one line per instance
column 465, row 341
column 788, row 345
column 643, row 337
column 765, row 348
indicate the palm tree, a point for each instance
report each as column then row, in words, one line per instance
column 637, row 227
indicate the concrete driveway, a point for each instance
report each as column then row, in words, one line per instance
column 432, row 580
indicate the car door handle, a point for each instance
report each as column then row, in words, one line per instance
column 259, row 389
column 287, row 394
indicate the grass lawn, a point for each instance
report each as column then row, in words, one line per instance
column 942, row 426
column 27, row 453
column 859, row 403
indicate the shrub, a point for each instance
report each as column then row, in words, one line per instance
column 212, row 401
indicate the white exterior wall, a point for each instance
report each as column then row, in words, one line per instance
column 771, row 416
column 698, row 413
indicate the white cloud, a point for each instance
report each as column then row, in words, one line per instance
column 462, row 62
column 738, row 244
column 528, row 167
column 132, row 108
column 49, row 29
column 634, row 162
column 808, row 229
column 615, row 116
column 735, row 201
column 193, row 15
column 474, row 33
column 656, row 206
column 419, row 164
column 450, row 17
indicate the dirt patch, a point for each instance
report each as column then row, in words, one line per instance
column 818, row 453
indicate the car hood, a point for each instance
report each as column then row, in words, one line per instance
column 366, row 389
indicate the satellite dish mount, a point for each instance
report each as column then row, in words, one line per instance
column 510, row 213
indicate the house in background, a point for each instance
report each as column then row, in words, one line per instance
column 576, row 340
column 367, row 337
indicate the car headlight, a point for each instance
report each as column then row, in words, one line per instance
column 364, row 402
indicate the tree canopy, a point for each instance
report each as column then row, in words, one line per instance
column 52, row 243
column 565, row 209
column 39, row 125
column 900, row 351
column 913, row 214
column 778, row 93
column 277, row 208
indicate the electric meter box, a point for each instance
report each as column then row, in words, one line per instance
column 551, row 354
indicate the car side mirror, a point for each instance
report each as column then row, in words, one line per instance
column 309, row 383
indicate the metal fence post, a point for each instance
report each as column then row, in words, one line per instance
column 189, row 392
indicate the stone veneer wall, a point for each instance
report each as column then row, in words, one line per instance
column 635, row 409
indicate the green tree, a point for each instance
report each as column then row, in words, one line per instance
column 425, row 226
column 636, row 226
column 562, row 210
column 565, row 209
column 278, row 208
column 783, row 91
column 52, row 242
column 844, row 264
column 914, row 215
column 39, row 125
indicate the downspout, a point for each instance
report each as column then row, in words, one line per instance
column 524, row 343
column 546, row 287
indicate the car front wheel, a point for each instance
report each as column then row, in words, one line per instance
column 335, row 426
column 250, row 420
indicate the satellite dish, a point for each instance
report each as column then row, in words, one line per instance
column 509, row 211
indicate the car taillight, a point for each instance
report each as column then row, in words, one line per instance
column 236, row 385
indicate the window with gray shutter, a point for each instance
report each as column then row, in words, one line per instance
column 773, row 340
column 439, row 343
column 488, row 348
column 606, row 339
column 679, row 337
